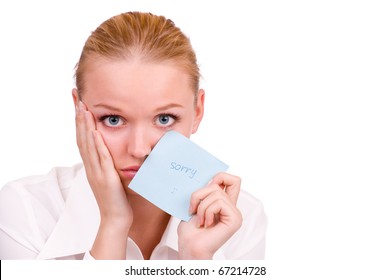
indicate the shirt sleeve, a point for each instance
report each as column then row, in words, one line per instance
column 88, row 256
column 12, row 249
column 17, row 237
column 27, row 217
column 248, row 243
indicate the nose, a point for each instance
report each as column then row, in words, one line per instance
column 140, row 143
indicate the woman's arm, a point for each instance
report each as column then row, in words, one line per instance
column 115, row 211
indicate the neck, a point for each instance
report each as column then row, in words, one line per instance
column 149, row 224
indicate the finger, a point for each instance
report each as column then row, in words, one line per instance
column 80, row 127
column 201, row 194
column 230, row 183
column 89, row 120
column 216, row 197
column 219, row 207
column 104, row 155
column 91, row 147
column 85, row 139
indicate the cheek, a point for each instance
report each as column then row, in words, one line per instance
column 185, row 127
column 185, row 130
column 114, row 142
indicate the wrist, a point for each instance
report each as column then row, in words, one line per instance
column 116, row 223
column 114, row 230
column 110, row 243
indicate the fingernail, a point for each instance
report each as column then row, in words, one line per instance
column 78, row 107
column 82, row 106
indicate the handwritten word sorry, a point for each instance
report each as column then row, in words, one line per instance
column 186, row 170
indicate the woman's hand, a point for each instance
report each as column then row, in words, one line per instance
column 216, row 218
column 115, row 211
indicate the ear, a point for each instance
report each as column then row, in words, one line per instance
column 199, row 110
column 75, row 96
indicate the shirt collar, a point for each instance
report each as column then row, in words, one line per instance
column 170, row 237
column 77, row 227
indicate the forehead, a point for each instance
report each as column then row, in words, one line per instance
column 130, row 79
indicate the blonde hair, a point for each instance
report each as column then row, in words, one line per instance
column 147, row 36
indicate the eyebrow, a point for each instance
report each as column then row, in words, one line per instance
column 106, row 106
column 168, row 106
column 162, row 108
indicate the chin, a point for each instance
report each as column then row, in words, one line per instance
column 125, row 182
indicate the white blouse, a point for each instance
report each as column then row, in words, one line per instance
column 55, row 216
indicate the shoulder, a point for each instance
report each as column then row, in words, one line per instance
column 41, row 187
column 31, row 206
column 249, row 241
column 38, row 192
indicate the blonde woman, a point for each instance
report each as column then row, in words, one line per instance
column 137, row 78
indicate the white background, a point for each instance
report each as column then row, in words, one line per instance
column 297, row 103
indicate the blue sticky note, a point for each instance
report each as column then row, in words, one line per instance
column 175, row 168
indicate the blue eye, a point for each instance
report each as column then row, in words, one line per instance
column 112, row 120
column 165, row 120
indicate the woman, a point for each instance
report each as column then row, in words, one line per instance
column 137, row 78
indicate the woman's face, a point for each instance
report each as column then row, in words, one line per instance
column 134, row 103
